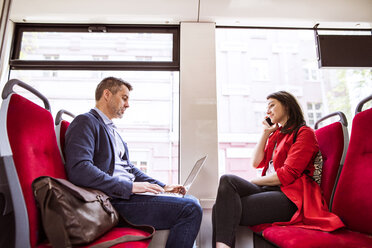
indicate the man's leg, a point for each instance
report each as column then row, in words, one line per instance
column 181, row 215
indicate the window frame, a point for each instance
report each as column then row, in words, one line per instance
column 18, row 64
column 52, row 66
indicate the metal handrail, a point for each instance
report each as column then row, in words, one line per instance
column 343, row 119
column 59, row 116
column 8, row 90
column 361, row 103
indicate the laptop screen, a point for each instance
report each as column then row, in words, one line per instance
column 194, row 172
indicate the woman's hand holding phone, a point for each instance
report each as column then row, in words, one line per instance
column 268, row 120
column 269, row 127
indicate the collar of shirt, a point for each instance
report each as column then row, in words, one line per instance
column 118, row 143
column 105, row 119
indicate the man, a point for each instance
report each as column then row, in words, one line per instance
column 97, row 157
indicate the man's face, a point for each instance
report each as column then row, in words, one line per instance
column 118, row 103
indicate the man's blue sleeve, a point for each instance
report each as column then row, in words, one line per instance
column 82, row 138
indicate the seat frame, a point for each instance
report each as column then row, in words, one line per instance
column 11, row 184
column 58, row 123
column 16, row 204
column 344, row 124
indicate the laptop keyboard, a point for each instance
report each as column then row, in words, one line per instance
column 162, row 194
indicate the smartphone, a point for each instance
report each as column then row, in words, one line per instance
column 268, row 120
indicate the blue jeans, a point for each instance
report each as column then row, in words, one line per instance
column 182, row 216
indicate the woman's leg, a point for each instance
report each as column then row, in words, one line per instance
column 227, row 211
column 266, row 207
column 240, row 202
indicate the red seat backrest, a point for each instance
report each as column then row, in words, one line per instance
column 62, row 132
column 331, row 144
column 32, row 139
column 64, row 126
column 61, row 126
column 352, row 200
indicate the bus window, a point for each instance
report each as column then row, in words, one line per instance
column 251, row 64
column 67, row 66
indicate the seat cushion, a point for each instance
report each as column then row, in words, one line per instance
column 113, row 234
column 259, row 228
column 292, row 237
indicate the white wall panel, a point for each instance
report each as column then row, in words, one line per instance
column 198, row 106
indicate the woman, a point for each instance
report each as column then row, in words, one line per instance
column 286, row 193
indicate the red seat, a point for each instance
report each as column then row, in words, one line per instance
column 352, row 200
column 28, row 150
column 333, row 141
column 61, row 126
column 287, row 236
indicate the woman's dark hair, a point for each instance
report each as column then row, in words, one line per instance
column 293, row 109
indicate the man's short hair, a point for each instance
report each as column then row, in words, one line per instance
column 113, row 84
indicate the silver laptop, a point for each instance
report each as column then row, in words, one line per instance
column 189, row 180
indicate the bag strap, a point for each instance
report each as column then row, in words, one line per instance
column 294, row 140
column 127, row 238
column 296, row 132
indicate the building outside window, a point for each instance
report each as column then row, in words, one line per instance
column 51, row 57
column 314, row 112
column 279, row 59
column 311, row 71
column 151, row 124
column 260, row 69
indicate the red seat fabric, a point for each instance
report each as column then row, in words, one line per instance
column 32, row 139
column 117, row 232
column 35, row 151
column 331, row 144
column 352, row 200
column 63, row 128
column 113, row 234
column 290, row 237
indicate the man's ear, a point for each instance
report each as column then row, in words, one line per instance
column 106, row 94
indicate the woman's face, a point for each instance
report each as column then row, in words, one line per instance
column 276, row 111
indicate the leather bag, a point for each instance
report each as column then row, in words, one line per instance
column 73, row 215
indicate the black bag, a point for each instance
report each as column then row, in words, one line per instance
column 73, row 215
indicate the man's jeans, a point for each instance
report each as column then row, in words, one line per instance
column 182, row 216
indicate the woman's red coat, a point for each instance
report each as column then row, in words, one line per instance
column 291, row 160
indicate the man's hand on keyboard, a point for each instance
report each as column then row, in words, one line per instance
column 175, row 189
column 141, row 187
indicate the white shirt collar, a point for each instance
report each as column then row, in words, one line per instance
column 104, row 117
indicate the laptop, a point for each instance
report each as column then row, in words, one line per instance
column 189, row 180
